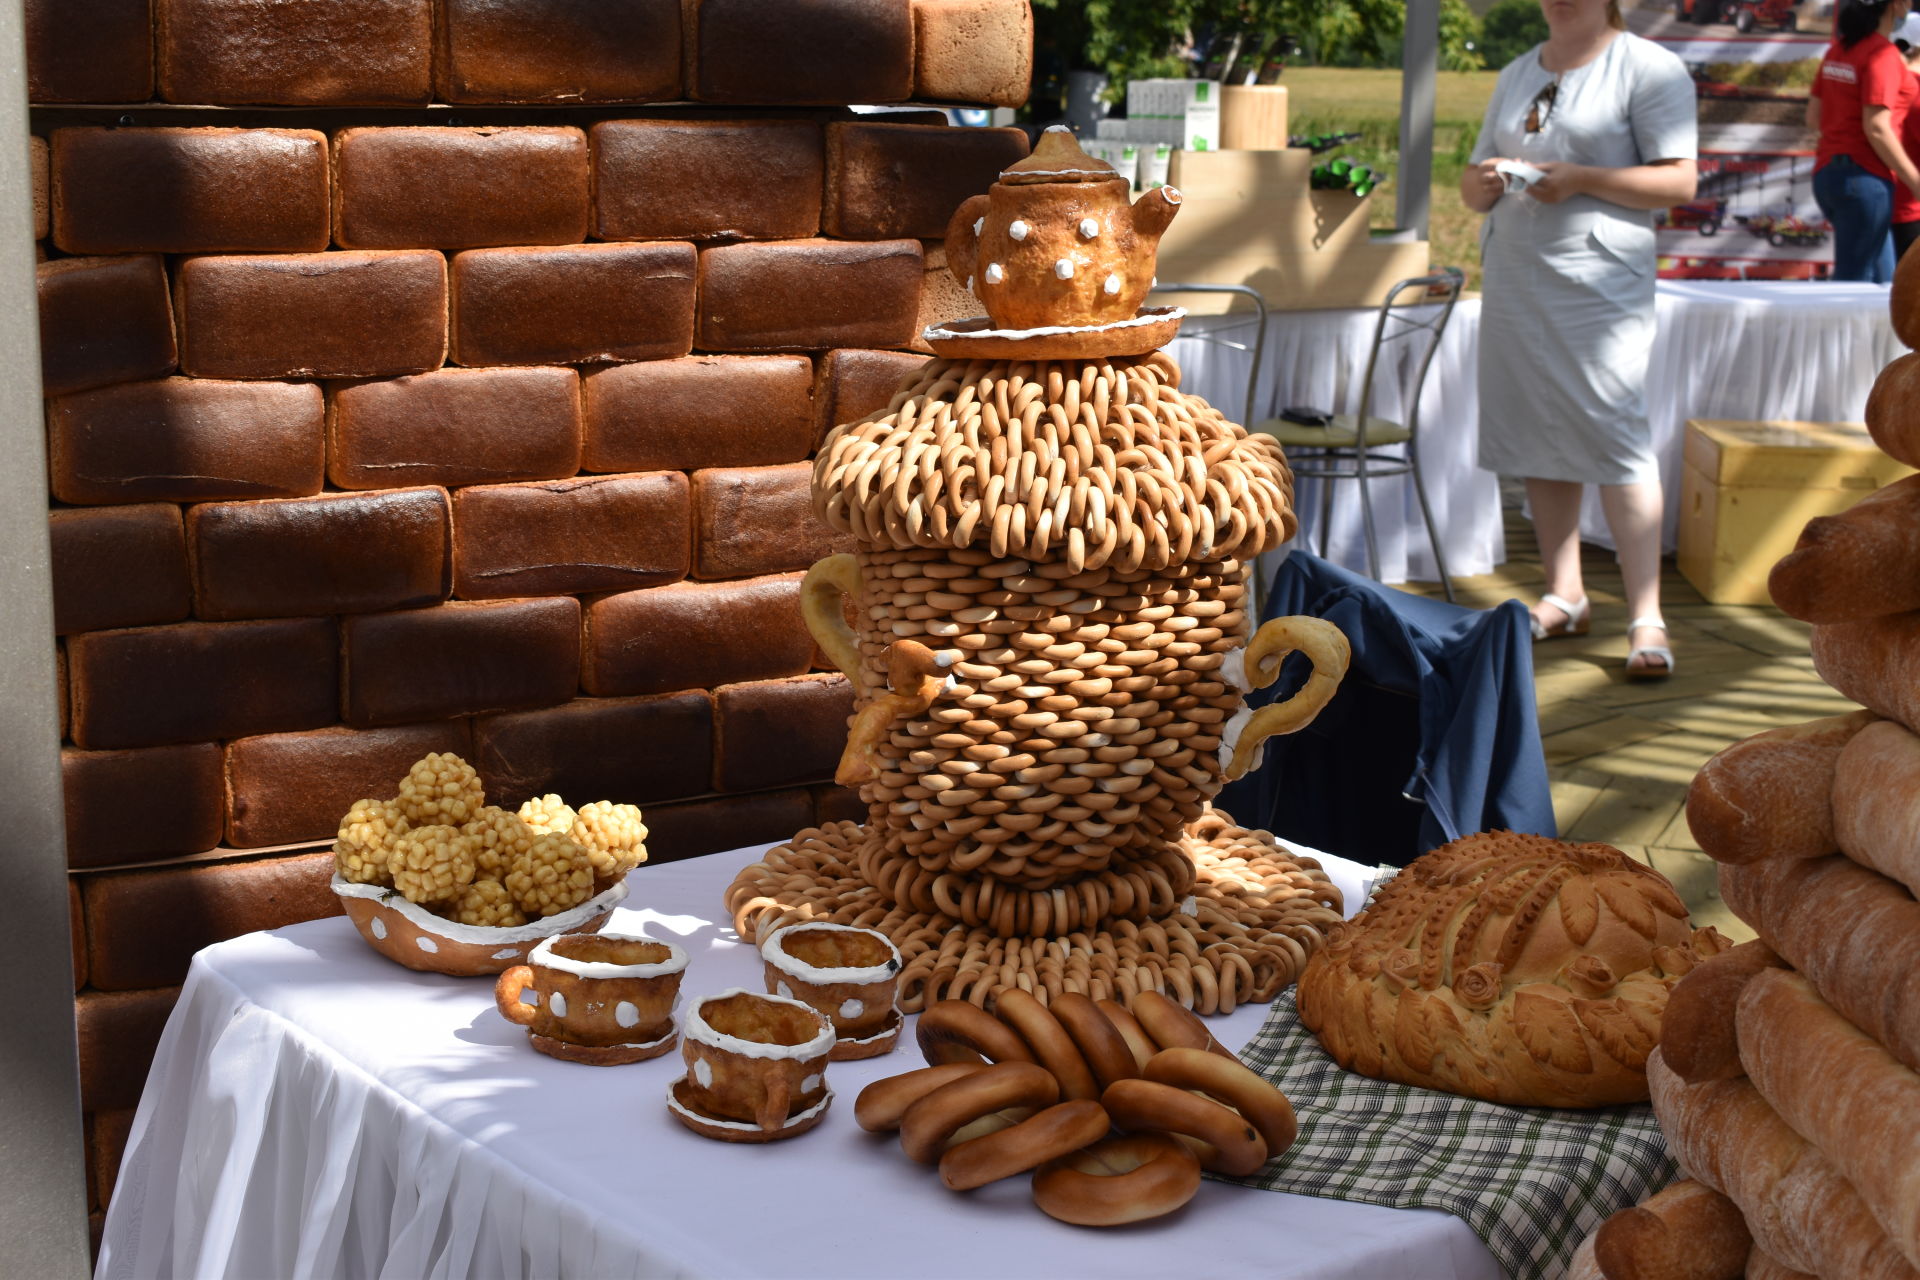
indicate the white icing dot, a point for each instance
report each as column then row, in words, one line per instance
column 1113, row 283
column 379, row 927
column 626, row 1013
column 808, row 1085
column 1017, row 229
column 426, row 944
column 508, row 953
column 852, row 1009
column 558, row 1005
column 994, row 274
column 1155, row 283
column 969, row 284
column 978, row 223
column 1064, row 268
column 1089, row 227
column 785, row 990
column 703, row 1073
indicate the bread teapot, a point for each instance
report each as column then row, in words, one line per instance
column 1054, row 243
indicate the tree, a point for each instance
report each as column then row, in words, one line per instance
column 1510, row 28
column 1460, row 37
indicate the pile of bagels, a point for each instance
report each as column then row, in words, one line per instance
column 1113, row 1110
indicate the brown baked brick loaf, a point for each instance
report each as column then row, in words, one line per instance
column 575, row 304
column 103, row 321
column 344, row 53
column 189, row 190
column 800, row 52
column 132, row 806
column 850, row 384
column 558, row 51
column 337, row 553
column 707, row 179
column 777, row 733
column 1769, row 796
column 398, row 187
column 695, row 828
column 1855, row 934
column 357, row 314
column 1893, row 406
column 1688, row 1231
column 1845, row 1094
column 942, row 299
column 118, row 1032
column 1876, row 801
column 40, row 174
column 460, row 659
column 695, row 635
column 1797, row 1205
column 285, row 787
column 1697, row 1032
column 202, row 681
column 100, row 51
column 1507, row 967
column 595, row 533
column 1862, row 563
column 754, row 520
column 146, row 925
column 118, row 567
column 455, row 427
column 809, row 295
column 187, row 440
column 888, row 181
column 978, row 51
column 628, row 750
column 1875, row 662
column 703, row 411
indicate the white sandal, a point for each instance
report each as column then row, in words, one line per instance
column 1659, row 651
column 1578, row 620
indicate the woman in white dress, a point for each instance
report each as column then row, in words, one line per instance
column 1586, row 135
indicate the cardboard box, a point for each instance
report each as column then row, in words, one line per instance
column 1180, row 113
column 1748, row 488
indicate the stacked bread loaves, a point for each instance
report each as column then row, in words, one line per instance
column 1507, row 967
column 1788, row 1074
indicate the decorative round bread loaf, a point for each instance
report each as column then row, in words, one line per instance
column 1508, row 967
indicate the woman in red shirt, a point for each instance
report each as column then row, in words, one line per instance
column 1858, row 105
column 1906, row 205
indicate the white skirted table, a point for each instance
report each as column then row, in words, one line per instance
column 1725, row 349
column 315, row 1110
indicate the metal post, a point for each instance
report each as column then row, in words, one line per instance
column 1420, row 66
column 43, row 1199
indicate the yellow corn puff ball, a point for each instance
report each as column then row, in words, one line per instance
column 364, row 844
column 487, row 902
column 547, row 814
column 501, row 838
column 613, row 835
column 441, row 790
column 552, row 876
column 432, row 865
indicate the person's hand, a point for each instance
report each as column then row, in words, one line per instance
column 1487, row 181
column 1562, row 180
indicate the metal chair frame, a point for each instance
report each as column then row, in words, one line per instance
column 1353, row 462
column 1259, row 334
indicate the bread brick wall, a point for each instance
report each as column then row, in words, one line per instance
column 377, row 429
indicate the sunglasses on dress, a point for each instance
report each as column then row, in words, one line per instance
column 1542, row 106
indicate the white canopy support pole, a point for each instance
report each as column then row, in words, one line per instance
column 1420, row 65
column 43, row 1198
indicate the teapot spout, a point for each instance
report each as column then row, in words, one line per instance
column 1153, row 212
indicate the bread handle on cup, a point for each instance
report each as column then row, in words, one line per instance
column 1325, row 646
column 821, row 592
column 506, row 994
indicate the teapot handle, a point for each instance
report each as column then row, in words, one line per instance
column 963, row 242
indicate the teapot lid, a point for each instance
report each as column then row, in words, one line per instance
column 1057, row 157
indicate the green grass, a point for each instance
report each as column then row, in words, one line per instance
column 1337, row 100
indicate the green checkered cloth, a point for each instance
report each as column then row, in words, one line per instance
column 1532, row 1182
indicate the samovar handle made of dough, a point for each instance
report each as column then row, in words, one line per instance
column 1325, row 646
column 915, row 674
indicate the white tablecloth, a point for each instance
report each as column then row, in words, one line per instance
column 315, row 1110
column 1725, row 349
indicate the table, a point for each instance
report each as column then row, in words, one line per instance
column 1724, row 349
column 315, row 1110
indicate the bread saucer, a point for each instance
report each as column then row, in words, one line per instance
column 724, row 1129
column 873, row 1046
column 975, row 339
column 603, row 1055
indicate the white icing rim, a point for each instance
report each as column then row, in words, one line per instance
column 1233, row 669
column 697, row 1030
column 672, row 1031
column 1230, row 736
column 676, row 961
column 674, row 1104
column 480, row 935
column 1152, row 315
column 794, row 967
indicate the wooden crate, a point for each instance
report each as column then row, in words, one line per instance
column 1748, row 488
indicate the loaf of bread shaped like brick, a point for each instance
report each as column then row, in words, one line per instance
column 1767, row 796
